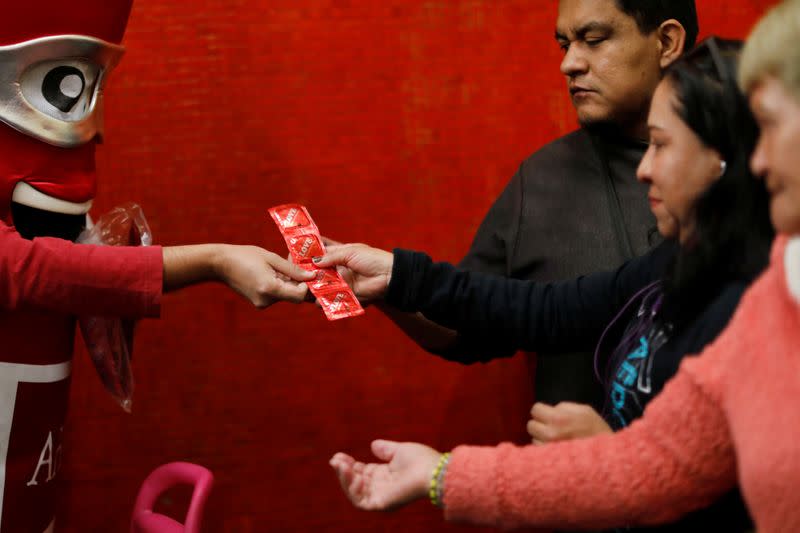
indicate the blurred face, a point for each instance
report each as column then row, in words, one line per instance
column 611, row 68
column 677, row 165
column 777, row 155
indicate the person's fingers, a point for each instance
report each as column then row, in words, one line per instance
column 286, row 268
column 310, row 298
column 543, row 412
column 343, row 459
column 338, row 255
column 346, row 273
column 288, row 291
column 537, row 442
column 358, row 490
column 571, row 407
column 353, row 481
column 353, row 489
column 384, row 449
column 369, row 472
column 540, row 431
column 282, row 277
column 344, row 472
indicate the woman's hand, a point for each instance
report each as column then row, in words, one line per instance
column 405, row 476
column 261, row 276
column 368, row 270
column 565, row 421
column 258, row 275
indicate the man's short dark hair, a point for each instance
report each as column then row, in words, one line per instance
column 650, row 14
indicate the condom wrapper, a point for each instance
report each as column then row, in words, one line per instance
column 304, row 241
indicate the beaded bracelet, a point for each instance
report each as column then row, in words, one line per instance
column 437, row 480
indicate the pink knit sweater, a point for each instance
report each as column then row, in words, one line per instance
column 734, row 409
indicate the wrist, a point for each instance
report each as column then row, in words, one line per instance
column 436, row 481
column 217, row 259
column 187, row 265
column 388, row 273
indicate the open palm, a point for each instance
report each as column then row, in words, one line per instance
column 387, row 486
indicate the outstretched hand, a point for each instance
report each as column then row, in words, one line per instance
column 403, row 478
column 262, row 277
column 367, row 270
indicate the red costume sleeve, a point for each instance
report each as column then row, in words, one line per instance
column 57, row 275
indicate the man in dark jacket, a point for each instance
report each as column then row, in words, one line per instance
column 575, row 206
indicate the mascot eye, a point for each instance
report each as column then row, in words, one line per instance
column 62, row 87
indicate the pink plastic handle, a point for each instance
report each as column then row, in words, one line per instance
column 144, row 520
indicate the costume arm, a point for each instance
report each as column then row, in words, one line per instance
column 57, row 275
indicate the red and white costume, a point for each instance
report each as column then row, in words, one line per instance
column 54, row 57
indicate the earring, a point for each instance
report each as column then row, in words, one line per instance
column 723, row 166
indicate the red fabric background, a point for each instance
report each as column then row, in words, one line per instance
column 397, row 123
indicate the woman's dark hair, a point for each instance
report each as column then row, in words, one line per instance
column 733, row 232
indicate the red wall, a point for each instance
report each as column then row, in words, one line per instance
column 397, row 123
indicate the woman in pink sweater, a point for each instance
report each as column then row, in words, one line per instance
column 730, row 416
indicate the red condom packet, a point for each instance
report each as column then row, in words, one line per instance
column 305, row 242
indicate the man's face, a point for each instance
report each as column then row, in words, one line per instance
column 612, row 68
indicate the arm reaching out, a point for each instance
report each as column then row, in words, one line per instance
column 258, row 275
column 57, row 275
column 496, row 315
column 676, row 459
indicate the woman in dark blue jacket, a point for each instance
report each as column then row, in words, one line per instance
column 652, row 311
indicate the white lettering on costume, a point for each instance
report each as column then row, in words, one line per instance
column 49, row 458
column 11, row 375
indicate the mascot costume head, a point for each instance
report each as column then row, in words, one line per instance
column 55, row 57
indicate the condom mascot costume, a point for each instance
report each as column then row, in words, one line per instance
column 54, row 59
